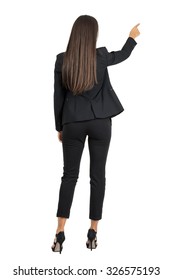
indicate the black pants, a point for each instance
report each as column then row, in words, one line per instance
column 74, row 135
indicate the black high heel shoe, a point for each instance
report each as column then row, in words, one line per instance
column 92, row 239
column 57, row 244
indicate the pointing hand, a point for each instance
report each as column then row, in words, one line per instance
column 134, row 32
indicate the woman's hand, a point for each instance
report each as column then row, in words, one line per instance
column 60, row 136
column 134, row 32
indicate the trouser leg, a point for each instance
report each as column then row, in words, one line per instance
column 98, row 140
column 73, row 144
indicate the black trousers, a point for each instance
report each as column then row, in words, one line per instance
column 74, row 135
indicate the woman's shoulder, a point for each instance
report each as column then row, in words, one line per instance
column 59, row 61
column 101, row 51
column 59, row 56
column 102, row 55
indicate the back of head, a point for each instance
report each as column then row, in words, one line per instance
column 79, row 65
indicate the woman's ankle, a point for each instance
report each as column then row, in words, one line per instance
column 94, row 225
column 59, row 230
column 61, row 224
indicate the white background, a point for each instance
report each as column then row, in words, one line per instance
column 136, row 229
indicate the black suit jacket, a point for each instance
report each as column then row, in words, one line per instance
column 99, row 102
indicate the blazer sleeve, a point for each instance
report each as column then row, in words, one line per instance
column 116, row 57
column 59, row 94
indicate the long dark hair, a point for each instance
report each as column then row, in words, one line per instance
column 79, row 63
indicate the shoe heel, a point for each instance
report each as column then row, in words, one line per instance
column 60, row 250
column 57, row 245
column 92, row 240
column 91, row 244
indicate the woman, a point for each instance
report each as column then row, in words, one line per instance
column 84, row 103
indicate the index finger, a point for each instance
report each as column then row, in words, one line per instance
column 137, row 25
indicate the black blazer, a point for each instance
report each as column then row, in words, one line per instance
column 99, row 102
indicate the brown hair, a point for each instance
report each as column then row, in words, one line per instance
column 79, row 63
